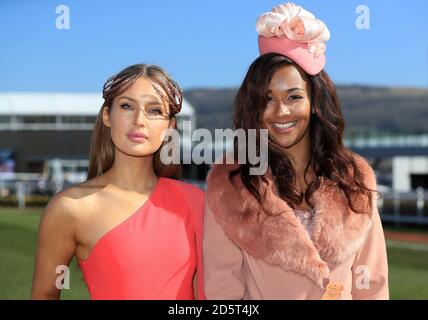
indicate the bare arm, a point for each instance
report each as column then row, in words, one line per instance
column 56, row 246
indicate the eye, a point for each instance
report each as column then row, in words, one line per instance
column 295, row 97
column 155, row 110
column 270, row 99
column 126, row 106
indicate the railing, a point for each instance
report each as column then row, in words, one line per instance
column 18, row 126
column 420, row 141
column 23, row 185
column 404, row 207
column 395, row 207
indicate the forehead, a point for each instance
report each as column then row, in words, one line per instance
column 143, row 88
column 287, row 77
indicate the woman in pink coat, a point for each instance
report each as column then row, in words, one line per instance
column 309, row 227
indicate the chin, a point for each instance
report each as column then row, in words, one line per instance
column 139, row 151
column 283, row 139
column 287, row 140
column 287, row 144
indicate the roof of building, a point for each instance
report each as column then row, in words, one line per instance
column 59, row 103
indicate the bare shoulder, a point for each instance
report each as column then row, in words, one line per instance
column 70, row 202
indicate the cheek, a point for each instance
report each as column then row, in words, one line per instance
column 264, row 118
column 304, row 111
column 156, row 130
column 118, row 126
column 267, row 115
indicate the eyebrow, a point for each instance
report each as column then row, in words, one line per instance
column 153, row 100
column 292, row 89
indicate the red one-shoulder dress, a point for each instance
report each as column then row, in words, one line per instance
column 154, row 253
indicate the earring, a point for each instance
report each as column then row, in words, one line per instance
column 313, row 110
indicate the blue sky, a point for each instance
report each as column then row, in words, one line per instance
column 200, row 43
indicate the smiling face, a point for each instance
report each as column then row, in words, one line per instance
column 137, row 118
column 288, row 111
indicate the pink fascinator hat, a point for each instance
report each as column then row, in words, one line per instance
column 294, row 32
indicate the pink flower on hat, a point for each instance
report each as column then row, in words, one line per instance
column 295, row 23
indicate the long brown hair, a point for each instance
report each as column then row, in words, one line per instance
column 101, row 155
column 329, row 157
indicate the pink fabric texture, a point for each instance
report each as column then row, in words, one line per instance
column 296, row 51
column 251, row 255
column 296, row 33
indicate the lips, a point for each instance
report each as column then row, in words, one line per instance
column 137, row 136
column 284, row 127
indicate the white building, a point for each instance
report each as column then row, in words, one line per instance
column 57, row 111
column 39, row 127
column 409, row 172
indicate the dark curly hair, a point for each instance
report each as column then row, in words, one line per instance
column 329, row 157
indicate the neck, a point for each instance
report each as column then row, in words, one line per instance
column 132, row 173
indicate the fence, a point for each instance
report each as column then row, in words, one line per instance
column 404, row 207
column 395, row 207
column 20, row 188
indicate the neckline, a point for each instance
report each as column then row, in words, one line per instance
column 130, row 217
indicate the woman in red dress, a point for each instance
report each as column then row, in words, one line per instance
column 135, row 230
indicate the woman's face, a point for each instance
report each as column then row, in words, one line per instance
column 288, row 109
column 137, row 118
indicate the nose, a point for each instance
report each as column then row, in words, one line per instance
column 283, row 110
column 140, row 118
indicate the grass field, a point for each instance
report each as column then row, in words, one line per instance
column 18, row 236
column 408, row 268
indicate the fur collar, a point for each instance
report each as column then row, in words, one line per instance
column 282, row 240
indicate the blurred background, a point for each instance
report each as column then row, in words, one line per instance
column 56, row 55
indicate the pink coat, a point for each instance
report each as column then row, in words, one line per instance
column 275, row 257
